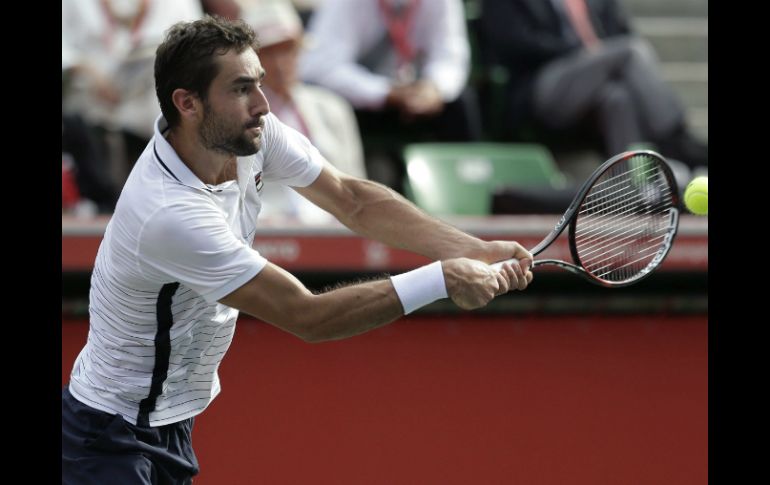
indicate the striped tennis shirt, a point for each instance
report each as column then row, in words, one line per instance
column 172, row 249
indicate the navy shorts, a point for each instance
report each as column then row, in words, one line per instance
column 99, row 448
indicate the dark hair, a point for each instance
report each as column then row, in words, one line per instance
column 187, row 57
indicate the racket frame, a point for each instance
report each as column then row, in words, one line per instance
column 570, row 219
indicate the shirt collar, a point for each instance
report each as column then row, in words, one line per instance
column 170, row 162
column 165, row 155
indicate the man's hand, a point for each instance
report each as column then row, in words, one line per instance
column 472, row 284
column 423, row 99
column 100, row 83
column 418, row 99
column 494, row 251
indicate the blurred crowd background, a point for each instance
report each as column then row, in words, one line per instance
column 528, row 93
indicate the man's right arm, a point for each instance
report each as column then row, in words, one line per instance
column 278, row 298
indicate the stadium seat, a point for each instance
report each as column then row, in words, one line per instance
column 460, row 178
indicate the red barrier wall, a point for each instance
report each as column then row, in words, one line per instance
column 459, row 400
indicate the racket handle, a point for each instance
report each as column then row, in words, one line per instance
column 499, row 264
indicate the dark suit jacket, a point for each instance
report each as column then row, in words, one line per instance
column 523, row 35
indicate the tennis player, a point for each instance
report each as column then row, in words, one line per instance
column 177, row 265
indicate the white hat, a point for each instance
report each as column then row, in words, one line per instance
column 274, row 21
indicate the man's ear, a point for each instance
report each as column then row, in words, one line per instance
column 186, row 102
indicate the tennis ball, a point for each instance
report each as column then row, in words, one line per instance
column 696, row 196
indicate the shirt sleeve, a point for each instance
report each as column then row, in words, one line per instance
column 289, row 157
column 334, row 40
column 195, row 246
column 448, row 58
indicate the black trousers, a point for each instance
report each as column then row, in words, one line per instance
column 89, row 155
column 621, row 83
column 99, row 448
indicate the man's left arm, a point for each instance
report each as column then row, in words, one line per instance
column 378, row 212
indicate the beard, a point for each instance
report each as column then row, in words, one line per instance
column 220, row 135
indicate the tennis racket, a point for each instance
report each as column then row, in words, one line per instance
column 622, row 222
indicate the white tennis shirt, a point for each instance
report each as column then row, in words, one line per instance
column 173, row 247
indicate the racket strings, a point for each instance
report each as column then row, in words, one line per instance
column 624, row 219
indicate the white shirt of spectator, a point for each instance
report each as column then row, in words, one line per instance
column 341, row 32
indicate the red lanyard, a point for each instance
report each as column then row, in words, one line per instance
column 399, row 22
column 133, row 24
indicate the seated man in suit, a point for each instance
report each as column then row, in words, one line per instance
column 570, row 60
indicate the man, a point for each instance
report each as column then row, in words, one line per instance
column 403, row 65
column 572, row 60
column 176, row 264
column 107, row 56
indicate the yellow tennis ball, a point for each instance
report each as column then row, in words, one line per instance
column 696, row 196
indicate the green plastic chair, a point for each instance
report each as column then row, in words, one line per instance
column 460, row 178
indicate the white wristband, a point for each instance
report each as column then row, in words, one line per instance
column 420, row 286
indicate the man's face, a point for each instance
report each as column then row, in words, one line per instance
column 233, row 113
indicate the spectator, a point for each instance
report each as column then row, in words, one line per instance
column 85, row 168
column 402, row 64
column 570, row 60
column 324, row 117
column 108, row 51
